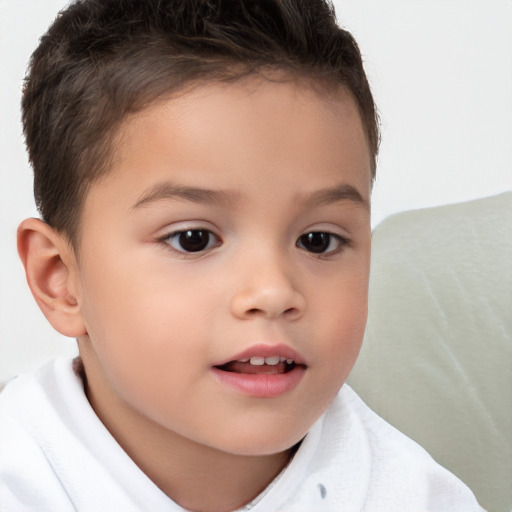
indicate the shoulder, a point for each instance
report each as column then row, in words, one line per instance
column 45, row 395
column 389, row 470
column 58, row 456
column 29, row 408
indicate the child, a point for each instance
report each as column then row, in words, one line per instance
column 203, row 171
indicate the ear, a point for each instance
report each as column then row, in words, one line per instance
column 52, row 275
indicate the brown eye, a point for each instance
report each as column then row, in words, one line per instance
column 320, row 242
column 192, row 240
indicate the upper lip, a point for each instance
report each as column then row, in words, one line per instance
column 263, row 350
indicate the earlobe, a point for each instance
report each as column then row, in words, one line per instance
column 50, row 268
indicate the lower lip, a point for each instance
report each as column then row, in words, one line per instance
column 261, row 386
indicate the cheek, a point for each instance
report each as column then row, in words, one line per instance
column 139, row 342
column 345, row 335
column 140, row 317
column 342, row 320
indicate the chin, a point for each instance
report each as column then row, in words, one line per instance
column 263, row 444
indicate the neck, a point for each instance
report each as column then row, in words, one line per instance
column 207, row 480
column 200, row 478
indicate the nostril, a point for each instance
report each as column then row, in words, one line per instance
column 292, row 313
column 258, row 311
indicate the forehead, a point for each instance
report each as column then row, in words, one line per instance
column 229, row 135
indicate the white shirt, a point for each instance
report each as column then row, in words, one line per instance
column 57, row 456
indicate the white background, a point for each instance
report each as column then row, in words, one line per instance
column 441, row 72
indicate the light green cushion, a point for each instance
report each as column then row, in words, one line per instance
column 437, row 356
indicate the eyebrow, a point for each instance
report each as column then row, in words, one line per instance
column 193, row 194
column 168, row 190
column 338, row 193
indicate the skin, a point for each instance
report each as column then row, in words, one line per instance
column 151, row 319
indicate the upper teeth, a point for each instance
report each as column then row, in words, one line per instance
column 259, row 361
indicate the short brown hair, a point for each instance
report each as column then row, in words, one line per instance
column 103, row 59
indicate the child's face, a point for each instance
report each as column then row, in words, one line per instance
column 235, row 224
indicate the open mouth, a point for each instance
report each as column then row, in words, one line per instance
column 273, row 365
column 262, row 371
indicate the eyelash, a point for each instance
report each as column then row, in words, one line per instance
column 341, row 242
column 325, row 238
column 177, row 235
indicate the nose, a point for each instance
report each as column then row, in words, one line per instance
column 265, row 288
